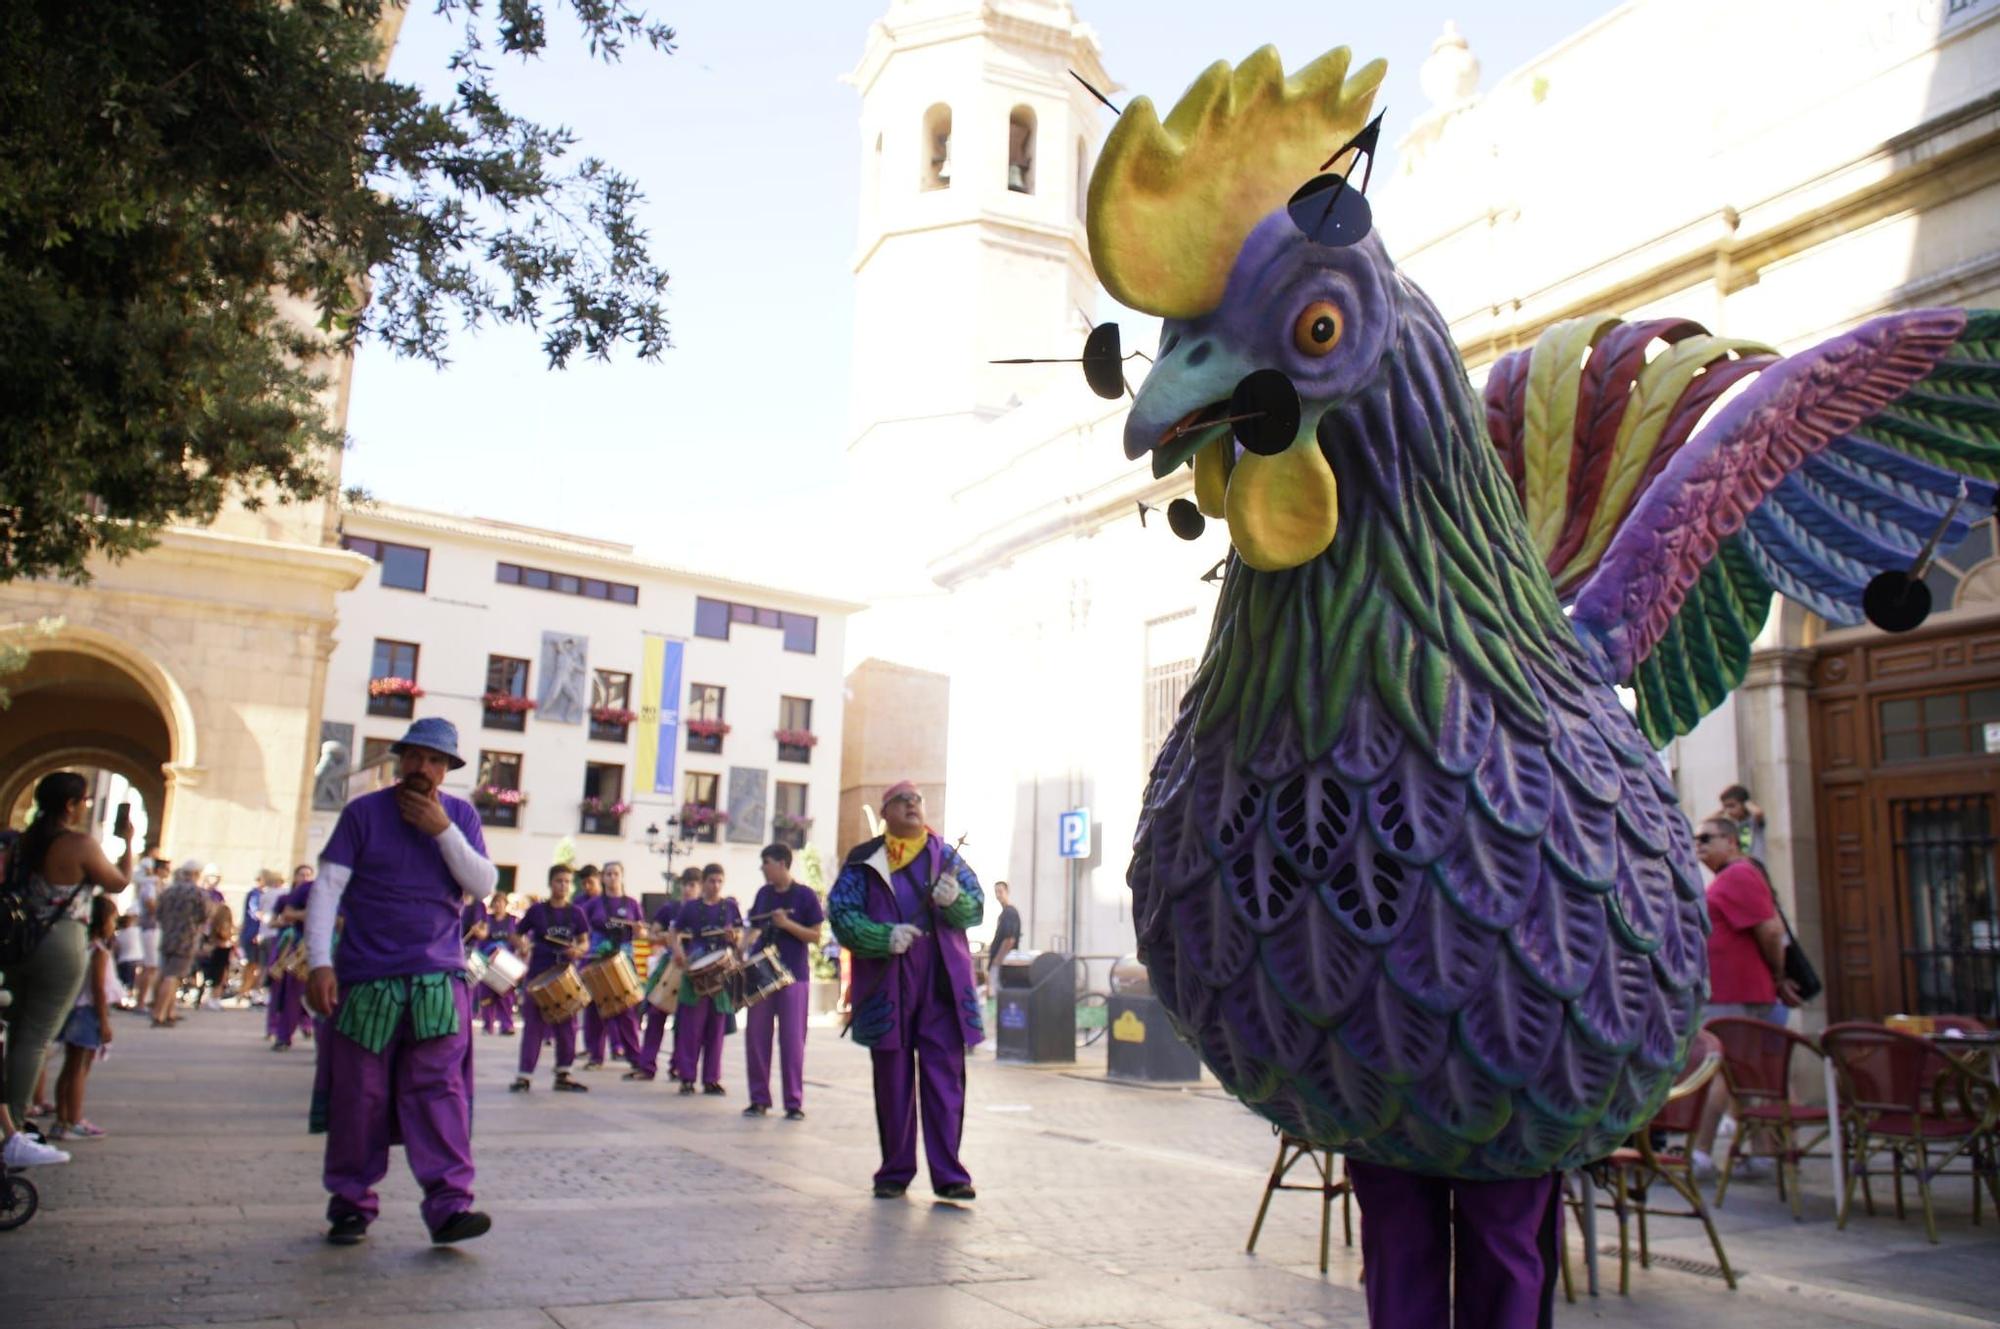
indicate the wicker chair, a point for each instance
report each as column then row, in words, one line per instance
column 1906, row 1095
column 1757, row 1067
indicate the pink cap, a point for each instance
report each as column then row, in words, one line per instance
column 900, row 789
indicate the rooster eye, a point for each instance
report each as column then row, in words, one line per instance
column 1317, row 330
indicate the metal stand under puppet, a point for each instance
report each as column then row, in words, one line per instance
column 1407, row 874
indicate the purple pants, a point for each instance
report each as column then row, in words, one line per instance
column 784, row 1010
column 647, row 1058
column 533, row 1027
column 1466, row 1254
column 420, row 1093
column 496, row 1006
column 622, row 1029
column 286, row 1009
column 929, row 1069
column 698, row 1042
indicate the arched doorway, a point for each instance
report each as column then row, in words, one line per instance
column 88, row 702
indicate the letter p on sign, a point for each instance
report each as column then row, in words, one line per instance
column 1073, row 833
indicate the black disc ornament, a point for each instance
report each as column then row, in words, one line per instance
column 1896, row 602
column 1104, row 361
column 1186, row 519
column 1267, row 407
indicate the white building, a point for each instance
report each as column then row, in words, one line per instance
column 1805, row 176
column 535, row 645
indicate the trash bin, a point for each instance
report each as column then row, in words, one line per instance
column 1143, row 1043
column 1037, row 1003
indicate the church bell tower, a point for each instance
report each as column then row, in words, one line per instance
column 976, row 149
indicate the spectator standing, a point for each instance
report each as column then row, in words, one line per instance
column 55, row 869
column 184, row 910
column 86, row 1035
column 1006, row 935
column 146, row 884
column 250, row 936
column 1749, row 819
column 1746, row 951
column 129, row 948
column 221, row 944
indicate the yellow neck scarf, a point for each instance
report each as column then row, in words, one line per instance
column 902, row 851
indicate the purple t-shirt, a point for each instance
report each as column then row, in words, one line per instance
column 401, row 906
column 608, row 909
column 697, row 917
column 553, row 932
column 802, row 902
column 663, row 917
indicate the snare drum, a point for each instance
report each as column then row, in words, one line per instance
column 559, row 994
column 709, row 975
column 291, row 961
column 761, row 975
column 614, row 984
column 504, row 971
column 665, row 993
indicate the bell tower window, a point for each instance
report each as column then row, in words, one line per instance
column 937, row 148
column 1021, row 150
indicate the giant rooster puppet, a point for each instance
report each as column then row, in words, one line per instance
column 1408, row 873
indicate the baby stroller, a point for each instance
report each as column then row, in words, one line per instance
column 18, row 1197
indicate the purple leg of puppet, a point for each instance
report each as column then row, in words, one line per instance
column 930, row 1075
column 780, row 1017
column 425, row 1090
column 1504, row 1233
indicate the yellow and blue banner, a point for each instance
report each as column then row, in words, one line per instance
column 659, row 714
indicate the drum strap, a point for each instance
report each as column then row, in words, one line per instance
column 370, row 1012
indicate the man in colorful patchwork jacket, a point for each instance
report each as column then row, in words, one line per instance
column 901, row 907
column 400, row 865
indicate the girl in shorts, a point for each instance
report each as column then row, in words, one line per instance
column 86, row 1035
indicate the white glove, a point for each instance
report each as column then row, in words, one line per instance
column 945, row 894
column 903, row 936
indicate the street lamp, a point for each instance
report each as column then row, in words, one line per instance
column 669, row 844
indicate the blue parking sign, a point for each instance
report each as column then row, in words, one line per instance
column 1073, row 833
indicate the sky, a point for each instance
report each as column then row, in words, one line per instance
column 727, row 454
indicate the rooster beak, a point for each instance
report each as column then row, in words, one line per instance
column 1190, row 380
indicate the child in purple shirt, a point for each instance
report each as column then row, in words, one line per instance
column 553, row 932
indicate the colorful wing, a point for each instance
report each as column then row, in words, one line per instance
column 1667, row 535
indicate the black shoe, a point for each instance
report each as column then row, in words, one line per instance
column 795, row 1114
column 756, row 1110
column 506, row 1033
column 522, row 1084
column 687, row 1087
column 593, row 1065
column 639, row 1075
column 461, row 1226
column 713, row 1089
column 565, row 1085
column 960, row 1190
column 347, row 1230
column 890, row 1190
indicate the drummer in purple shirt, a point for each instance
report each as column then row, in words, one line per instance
column 614, row 919
column 553, row 932
column 399, row 867
column 646, row 1065
column 786, row 914
column 704, row 926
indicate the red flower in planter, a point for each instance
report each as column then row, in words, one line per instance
column 507, row 703
column 798, row 738
column 612, row 715
column 707, row 728
column 394, row 687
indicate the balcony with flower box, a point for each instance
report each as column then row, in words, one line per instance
column 603, row 816
column 611, row 724
column 701, row 822
column 796, row 744
column 498, row 805
column 506, row 710
column 706, row 735
column 789, row 830
column 393, row 697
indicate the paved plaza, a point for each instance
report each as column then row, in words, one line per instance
column 633, row 1208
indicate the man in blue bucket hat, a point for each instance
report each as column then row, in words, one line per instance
column 400, row 865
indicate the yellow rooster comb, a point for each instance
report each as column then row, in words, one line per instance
column 1171, row 204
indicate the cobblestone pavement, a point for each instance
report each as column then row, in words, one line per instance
column 1100, row 1204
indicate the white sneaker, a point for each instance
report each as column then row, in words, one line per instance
column 24, row 1151
column 1704, row 1166
column 211, row 1004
